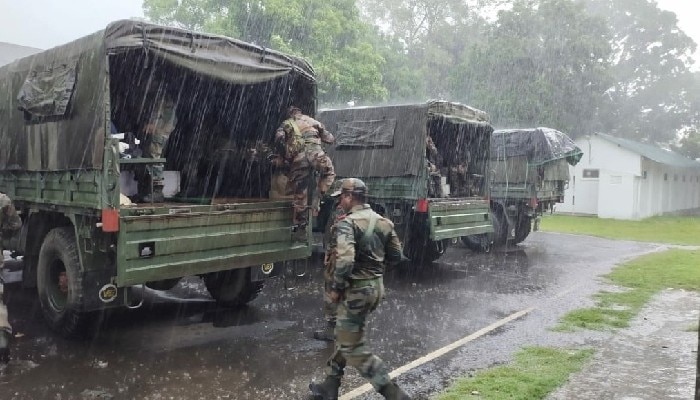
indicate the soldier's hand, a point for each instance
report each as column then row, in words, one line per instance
column 335, row 296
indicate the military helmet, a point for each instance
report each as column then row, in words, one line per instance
column 351, row 185
column 292, row 110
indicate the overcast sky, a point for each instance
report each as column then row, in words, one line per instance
column 48, row 23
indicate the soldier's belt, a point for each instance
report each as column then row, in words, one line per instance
column 360, row 282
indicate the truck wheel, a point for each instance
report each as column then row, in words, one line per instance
column 500, row 227
column 426, row 250
column 232, row 288
column 522, row 228
column 165, row 284
column 59, row 283
column 479, row 243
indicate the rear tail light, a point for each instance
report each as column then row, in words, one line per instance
column 422, row 206
column 533, row 203
column 110, row 220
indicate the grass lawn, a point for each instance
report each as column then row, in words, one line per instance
column 639, row 280
column 535, row 372
column 538, row 371
column 673, row 230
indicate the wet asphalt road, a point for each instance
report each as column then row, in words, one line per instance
column 180, row 346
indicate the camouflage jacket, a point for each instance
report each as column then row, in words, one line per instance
column 381, row 249
column 163, row 117
column 299, row 131
column 9, row 220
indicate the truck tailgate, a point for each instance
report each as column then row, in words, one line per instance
column 452, row 218
column 163, row 242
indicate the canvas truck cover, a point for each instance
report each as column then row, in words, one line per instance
column 388, row 141
column 52, row 114
column 538, row 145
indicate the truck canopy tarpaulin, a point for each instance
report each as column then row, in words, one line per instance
column 539, row 145
column 46, row 120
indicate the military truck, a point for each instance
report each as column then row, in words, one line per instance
column 424, row 165
column 69, row 118
column 529, row 173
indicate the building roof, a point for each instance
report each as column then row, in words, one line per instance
column 10, row 52
column 652, row 152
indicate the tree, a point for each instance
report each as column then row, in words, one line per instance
column 429, row 37
column 544, row 64
column 327, row 32
column 651, row 62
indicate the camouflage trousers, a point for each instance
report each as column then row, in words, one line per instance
column 303, row 165
column 361, row 298
column 330, row 309
column 155, row 144
column 4, row 320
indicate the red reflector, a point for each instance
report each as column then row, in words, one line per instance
column 422, row 205
column 110, row 220
column 533, row 202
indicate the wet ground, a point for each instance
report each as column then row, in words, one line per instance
column 180, row 346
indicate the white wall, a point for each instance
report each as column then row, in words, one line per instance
column 629, row 186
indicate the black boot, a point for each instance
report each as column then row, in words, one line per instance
column 392, row 391
column 5, row 346
column 326, row 334
column 327, row 390
column 156, row 196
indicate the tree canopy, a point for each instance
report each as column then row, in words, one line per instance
column 580, row 66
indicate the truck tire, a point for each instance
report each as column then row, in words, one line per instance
column 232, row 288
column 165, row 284
column 425, row 250
column 479, row 243
column 522, row 228
column 500, row 227
column 59, row 283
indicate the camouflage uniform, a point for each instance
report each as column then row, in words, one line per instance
column 358, row 274
column 330, row 308
column 158, row 128
column 10, row 223
column 302, row 136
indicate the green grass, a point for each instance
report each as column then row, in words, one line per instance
column 535, row 372
column 640, row 279
column 672, row 230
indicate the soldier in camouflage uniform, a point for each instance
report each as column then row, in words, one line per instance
column 330, row 308
column 159, row 125
column 10, row 223
column 366, row 243
column 302, row 137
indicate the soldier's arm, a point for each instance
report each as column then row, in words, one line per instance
column 393, row 251
column 282, row 131
column 345, row 250
column 326, row 137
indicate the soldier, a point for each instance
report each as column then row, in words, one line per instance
column 330, row 308
column 157, row 129
column 366, row 243
column 302, row 137
column 10, row 223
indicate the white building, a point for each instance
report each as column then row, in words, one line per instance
column 623, row 179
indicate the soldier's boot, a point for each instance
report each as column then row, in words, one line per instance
column 5, row 337
column 326, row 334
column 326, row 390
column 392, row 391
column 156, row 196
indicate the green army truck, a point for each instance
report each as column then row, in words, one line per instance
column 529, row 173
column 424, row 165
column 69, row 120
